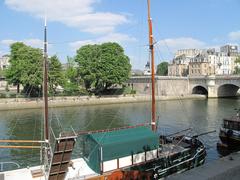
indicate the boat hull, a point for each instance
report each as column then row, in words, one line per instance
column 228, row 138
column 192, row 156
column 175, row 163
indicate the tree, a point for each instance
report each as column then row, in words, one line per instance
column 13, row 73
column 31, row 76
column 162, row 69
column 26, row 68
column 55, row 74
column 237, row 68
column 101, row 66
column 71, row 71
column 1, row 73
column 71, row 86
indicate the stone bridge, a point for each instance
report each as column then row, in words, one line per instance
column 212, row 86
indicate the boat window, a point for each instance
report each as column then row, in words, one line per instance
column 225, row 125
column 230, row 125
column 234, row 125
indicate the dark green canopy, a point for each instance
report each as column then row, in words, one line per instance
column 117, row 144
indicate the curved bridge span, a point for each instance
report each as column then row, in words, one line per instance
column 212, row 86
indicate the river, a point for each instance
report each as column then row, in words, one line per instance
column 201, row 115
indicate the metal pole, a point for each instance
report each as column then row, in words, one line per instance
column 151, row 48
column 45, row 84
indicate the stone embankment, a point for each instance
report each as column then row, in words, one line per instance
column 31, row 103
column 227, row 168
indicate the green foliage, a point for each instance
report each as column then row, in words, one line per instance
column 237, row 60
column 70, row 89
column 71, row 71
column 101, row 66
column 1, row 73
column 237, row 68
column 7, row 88
column 26, row 68
column 55, row 75
column 162, row 69
column 8, row 95
column 13, row 73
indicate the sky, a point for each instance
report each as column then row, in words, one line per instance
column 177, row 24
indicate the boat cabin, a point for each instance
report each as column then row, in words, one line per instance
column 108, row 151
column 233, row 123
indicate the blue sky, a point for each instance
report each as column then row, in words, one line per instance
column 177, row 24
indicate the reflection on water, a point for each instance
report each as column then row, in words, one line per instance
column 201, row 115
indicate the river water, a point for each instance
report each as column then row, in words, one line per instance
column 201, row 115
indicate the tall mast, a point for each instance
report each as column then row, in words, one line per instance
column 151, row 48
column 45, row 84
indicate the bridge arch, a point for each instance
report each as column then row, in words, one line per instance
column 227, row 90
column 199, row 89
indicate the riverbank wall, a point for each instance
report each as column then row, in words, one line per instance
column 33, row 103
column 227, row 168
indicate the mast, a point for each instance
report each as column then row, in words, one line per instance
column 151, row 49
column 45, row 84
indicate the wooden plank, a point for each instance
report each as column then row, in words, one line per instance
column 21, row 147
column 20, row 141
column 37, row 173
column 61, row 158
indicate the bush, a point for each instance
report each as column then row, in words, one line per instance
column 127, row 90
column 83, row 92
column 2, row 95
column 20, row 96
column 8, row 95
column 133, row 91
column 71, row 89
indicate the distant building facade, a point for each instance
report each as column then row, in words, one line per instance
column 200, row 66
column 188, row 52
column 177, row 70
column 223, row 64
column 229, row 50
column 4, row 62
column 197, row 62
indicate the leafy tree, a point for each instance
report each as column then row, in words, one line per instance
column 55, row 74
column 237, row 68
column 13, row 73
column 162, row 69
column 71, row 86
column 26, row 68
column 31, row 70
column 71, row 71
column 101, row 66
column 1, row 73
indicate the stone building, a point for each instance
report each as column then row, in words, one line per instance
column 197, row 62
column 177, row 70
column 229, row 50
column 200, row 66
column 188, row 52
column 179, row 66
column 223, row 64
column 4, row 62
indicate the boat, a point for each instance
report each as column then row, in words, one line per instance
column 229, row 133
column 55, row 150
column 138, row 152
column 132, row 152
